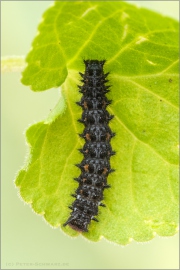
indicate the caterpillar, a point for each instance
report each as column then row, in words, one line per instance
column 95, row 166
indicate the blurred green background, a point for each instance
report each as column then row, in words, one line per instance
column 27, row 241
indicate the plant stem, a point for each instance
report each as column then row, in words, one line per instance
column 12, row 63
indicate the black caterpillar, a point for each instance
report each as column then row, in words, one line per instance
column 97, row 150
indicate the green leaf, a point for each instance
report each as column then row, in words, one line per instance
column 141, row 48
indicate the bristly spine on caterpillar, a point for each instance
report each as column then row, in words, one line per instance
column 95, row 166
